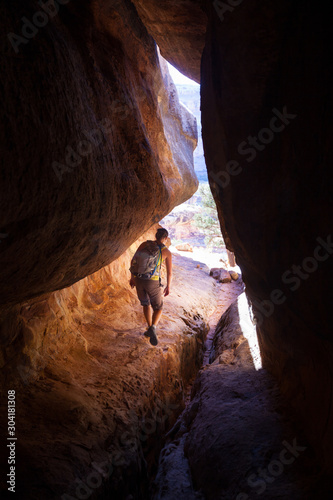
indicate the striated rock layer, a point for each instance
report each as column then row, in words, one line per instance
column 266, row 101
column 88, row 159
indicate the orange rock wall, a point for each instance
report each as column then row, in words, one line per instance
column 90, row 389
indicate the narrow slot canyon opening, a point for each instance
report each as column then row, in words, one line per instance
column 230, row 396
column 194, row 226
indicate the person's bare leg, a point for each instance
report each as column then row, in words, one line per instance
column 147, row 311
column 156, row 316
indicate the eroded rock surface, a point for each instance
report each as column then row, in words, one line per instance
column 89, row 156
column 93, row 396
column 233, row 440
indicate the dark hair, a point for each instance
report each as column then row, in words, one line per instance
column 161, row 233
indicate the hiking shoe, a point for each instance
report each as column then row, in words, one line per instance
column 152, row 335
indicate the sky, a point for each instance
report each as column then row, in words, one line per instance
column 178, row 78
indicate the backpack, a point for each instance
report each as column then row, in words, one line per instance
column 144, row 262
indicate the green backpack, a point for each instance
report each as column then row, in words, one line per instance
column 145, row 261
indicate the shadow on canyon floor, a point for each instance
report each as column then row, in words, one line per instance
column 233, row 440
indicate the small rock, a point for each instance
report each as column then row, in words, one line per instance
column 184, row 247
column 215, row 272
column 234, row 275
column 224, row 276
column 220, row 274
column 198, row 266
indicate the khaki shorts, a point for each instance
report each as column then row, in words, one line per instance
column 149, row 293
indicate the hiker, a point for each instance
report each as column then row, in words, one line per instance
column 146, row 277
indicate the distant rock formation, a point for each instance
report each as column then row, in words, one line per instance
column 190, row 96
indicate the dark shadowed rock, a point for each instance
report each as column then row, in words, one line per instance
column 266, row 92
column 232, row 441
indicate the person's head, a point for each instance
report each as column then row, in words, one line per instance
column 161, row 235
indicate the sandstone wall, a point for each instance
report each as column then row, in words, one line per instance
column 87, row 162
column 266, row 105
column 90, row 389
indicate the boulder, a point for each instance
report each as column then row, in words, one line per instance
column 233, row 431
column 184, row 247
column 220, row 274
column 224, row 276
column 234, row 275
column 215, row 273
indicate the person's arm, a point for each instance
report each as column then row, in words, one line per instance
column 168, row 263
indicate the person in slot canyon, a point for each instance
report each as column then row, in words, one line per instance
column 146, row 277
